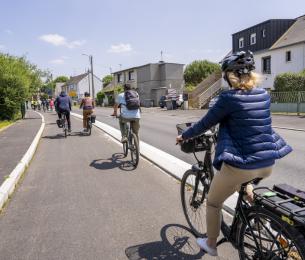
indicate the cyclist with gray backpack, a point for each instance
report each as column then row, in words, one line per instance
column 129, row 104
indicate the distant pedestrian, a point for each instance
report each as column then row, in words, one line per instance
column 22, row 109
column 27, row 104
column 51, row 104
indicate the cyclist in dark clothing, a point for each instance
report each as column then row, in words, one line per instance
column 63, row 105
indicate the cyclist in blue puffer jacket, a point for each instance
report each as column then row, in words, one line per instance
column 63, row 105
column 247, row 146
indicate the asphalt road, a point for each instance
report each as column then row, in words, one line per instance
column 158, row 128
column 80, row 199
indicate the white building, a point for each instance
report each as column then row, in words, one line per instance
column 287, row 54
column 278, row 46
column 78, row 85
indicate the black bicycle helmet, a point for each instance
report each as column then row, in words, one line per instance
column 239, row 62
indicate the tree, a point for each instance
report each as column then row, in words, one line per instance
column 61, row 79
column 50, row 84
column 100, row 97
column 19, row 80
column 198, row 70
column 107, row 79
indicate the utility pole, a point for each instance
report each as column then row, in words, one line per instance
column 89, row 81
column 91, row 63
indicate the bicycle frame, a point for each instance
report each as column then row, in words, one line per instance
column 240, row 216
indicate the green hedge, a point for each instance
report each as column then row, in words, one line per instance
column 18, row 81
column 290, row 82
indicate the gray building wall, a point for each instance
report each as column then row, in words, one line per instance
column 153, row 80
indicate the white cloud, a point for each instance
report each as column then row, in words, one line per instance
column 8, row 31
column 57, row 61
column 120, row 48
column 60, row 60
column 58, row 40
column 2, row 47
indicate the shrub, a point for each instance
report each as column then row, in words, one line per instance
column 18, row 81
column 290, row 82
column 100, row 97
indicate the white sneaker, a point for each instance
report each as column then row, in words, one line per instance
column 202, row 243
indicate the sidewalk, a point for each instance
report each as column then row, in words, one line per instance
column 15, row 140
column 81, row 199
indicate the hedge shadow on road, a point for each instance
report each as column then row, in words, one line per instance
column 177, row 242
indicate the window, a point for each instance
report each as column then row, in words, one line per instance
column 253, row 38
column 264, row 33
column 266, row 65
column 241, row 42
column 131, row 75
column 288, row 56
column 120, row 78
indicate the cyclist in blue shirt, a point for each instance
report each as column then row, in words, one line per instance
column 133, row 116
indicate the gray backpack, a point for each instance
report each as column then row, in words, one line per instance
column 132, row 100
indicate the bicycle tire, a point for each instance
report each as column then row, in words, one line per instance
column 270, row 229
column 134, row 150
column 189, row 185
column 125, row 148
column 89, row 126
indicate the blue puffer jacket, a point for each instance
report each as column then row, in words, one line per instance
column 246, row 139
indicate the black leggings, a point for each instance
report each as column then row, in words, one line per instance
column 67, row 116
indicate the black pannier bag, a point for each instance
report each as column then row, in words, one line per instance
column 195, row 144
column 132, row 100
column 93, row 117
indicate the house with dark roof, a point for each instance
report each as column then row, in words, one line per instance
column 152, row 80
column 278, row 46
column 76, row 86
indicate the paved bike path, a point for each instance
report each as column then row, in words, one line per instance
column 15, row 141
column 81, row 200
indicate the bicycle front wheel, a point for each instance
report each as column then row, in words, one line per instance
column 271, row 238
column 193, row 190
column 134, row 150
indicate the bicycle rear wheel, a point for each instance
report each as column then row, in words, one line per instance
column 125, row 148
column 193, row 190
column 275, row 239
column 134, row 150
column 89, row 126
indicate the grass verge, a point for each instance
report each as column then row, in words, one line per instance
column 5, row 124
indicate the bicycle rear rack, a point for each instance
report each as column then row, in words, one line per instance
column 289, row 208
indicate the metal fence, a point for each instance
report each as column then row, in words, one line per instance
column 288, row 102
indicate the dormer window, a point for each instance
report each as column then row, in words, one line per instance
column 241, row 43
column 253, row 38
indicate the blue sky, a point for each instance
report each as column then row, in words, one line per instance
column 54, row 33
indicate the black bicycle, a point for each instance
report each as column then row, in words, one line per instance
column 195, row 183
column 63, row 123
column 132, row 144
column 268, row 228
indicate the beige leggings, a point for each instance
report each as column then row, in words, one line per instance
column 224, row 184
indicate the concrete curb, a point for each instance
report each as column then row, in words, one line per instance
column 168, row 163
column 8, row 186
